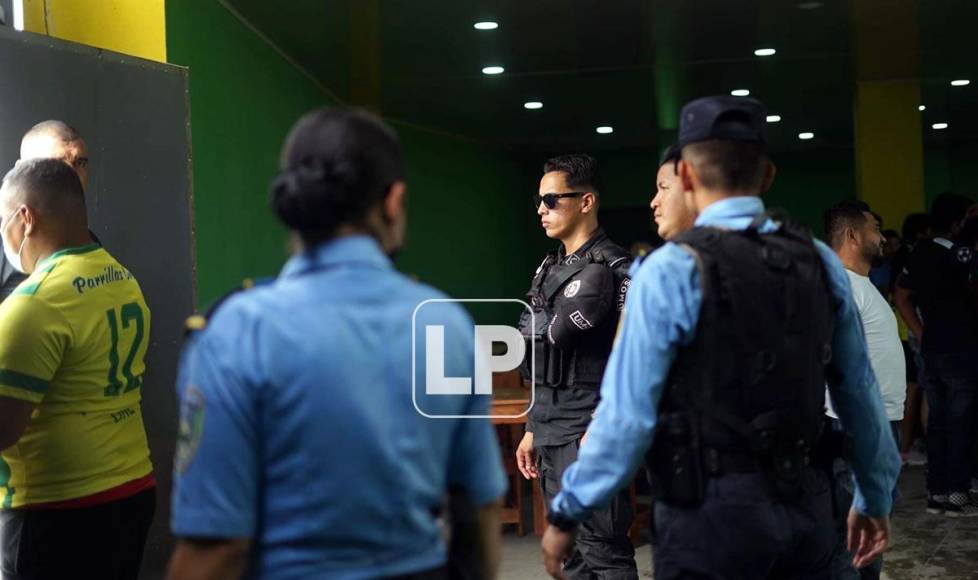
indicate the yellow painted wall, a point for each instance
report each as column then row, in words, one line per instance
column 889, row 141
column 889, row 149
column 134, row 27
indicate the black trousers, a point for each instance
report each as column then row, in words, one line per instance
column 104, row 542
column 602, row 549
column 741, row 532
column 951, row 387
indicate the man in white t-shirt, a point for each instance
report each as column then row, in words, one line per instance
column 853, row 231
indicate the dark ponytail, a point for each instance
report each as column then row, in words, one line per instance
column 337, row 165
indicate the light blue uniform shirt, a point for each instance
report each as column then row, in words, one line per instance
column 298, row 428
column 661, row 314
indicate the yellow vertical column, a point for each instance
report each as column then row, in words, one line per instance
column 134, row 27
column 889, row 142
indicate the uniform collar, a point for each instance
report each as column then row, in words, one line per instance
column 725, row 211
column 359, row 249
column 596, row 237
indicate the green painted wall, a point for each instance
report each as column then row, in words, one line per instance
column 468, row 211
column 244, row 98
column 811, row 181
column 465, row 221
column 950, row 166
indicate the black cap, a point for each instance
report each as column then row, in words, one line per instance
column 725, row 118
column 672, row 154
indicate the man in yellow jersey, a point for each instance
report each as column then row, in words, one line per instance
column 76, row 483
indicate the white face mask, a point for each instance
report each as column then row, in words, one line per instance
column 13, row 259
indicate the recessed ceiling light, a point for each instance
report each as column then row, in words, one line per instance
column 533, row 105
column 765, row 51
column 960, row 83
column 493, row 70
column 939, row 126
column 922, row 108
column 604, row 130
column 810, row 5
column 487, row 25
column 774, row 118
column 806, row 136
column 740, row 93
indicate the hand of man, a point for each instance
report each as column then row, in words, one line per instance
column 868, row 537
column 556, row 545
column 583, row 439
column 526, row 457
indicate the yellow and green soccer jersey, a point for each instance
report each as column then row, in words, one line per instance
column 73, row 338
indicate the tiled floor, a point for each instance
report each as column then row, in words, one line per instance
column 924, row 547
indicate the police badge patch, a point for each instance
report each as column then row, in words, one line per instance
column 572, row 289
column 191, row 428
column 964, row 254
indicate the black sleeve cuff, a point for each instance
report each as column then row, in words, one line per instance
column 561, row 522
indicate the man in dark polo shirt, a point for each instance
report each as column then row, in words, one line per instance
column 936, row 297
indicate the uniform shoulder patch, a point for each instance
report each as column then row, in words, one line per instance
column 191, row 428
column 964, row 254
column 623, row 293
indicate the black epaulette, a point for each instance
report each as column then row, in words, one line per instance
column 198, row 321
column 613, row 256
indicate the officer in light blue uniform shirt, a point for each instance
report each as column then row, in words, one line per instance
column 301, row 451
column 736, row 525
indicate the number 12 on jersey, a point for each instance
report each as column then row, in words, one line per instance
column 129, row 314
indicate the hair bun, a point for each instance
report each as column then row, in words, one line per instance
column 310, row 196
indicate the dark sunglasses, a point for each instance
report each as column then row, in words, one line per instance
column 550, row 199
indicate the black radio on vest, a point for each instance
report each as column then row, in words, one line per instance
column 748, row 393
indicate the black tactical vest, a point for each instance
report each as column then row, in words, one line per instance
column 583, row 366
column 748, row 393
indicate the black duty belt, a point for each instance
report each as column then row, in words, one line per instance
column 718, row 462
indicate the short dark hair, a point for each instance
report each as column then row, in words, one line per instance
column 580, row 169
column 50, row 184
column 671, row 155
column 845, row 214
column 948, row 209
column 914, row 225
column 729, row 165
column 337, row 164
column 59, row 129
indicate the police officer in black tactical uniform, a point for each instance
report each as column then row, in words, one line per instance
column 730, row 332
column 576, row 295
